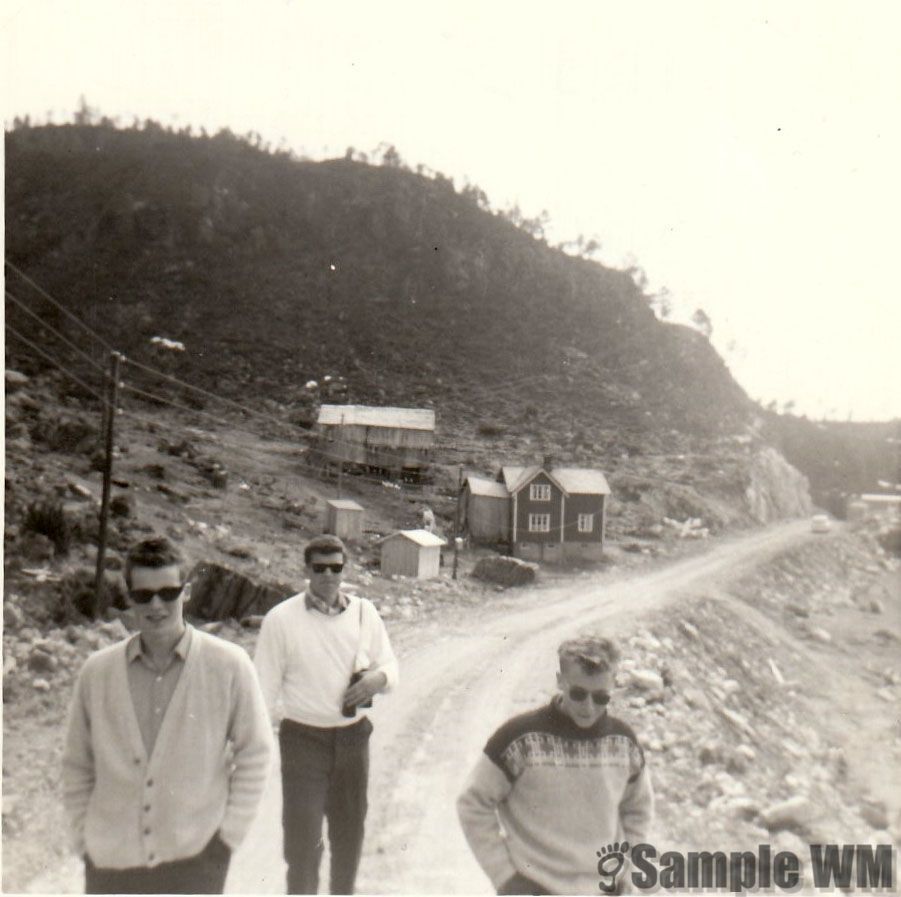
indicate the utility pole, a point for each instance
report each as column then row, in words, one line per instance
column 340, row 458
column 112, row 398
column 457, row 539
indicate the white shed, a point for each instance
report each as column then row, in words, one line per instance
column 412, row 552
column 344, row 519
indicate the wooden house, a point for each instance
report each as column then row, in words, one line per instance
column 394, row 441
column 541, row 512
column 411, row 552
column 344, row 518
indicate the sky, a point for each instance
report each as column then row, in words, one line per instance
column 744, row 155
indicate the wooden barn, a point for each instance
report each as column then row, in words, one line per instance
column 394, row 441
column 344, row 519
column 411, row 552
column 485, row 510
column 543, row 513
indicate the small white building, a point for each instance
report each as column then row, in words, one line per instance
column 412, row 552
column 344, row 519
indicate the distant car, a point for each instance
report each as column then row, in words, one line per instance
column 820, row 523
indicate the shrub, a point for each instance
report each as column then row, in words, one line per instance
column 49, row 519
column 488, row 428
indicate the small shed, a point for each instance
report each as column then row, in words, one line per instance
column 344, row 519
column 411, row 552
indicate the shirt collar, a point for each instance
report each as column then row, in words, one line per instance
column 313, row 602
column 134, row 649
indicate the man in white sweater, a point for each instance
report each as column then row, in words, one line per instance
column 321, row 657
column 561, row 793
column 168, row 745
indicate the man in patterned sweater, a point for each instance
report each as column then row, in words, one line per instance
column 561, row 786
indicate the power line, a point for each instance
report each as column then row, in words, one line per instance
column 55, row 363
column 59, row 305
column 55, row 332
column 261, row 414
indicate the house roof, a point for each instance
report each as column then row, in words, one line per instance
column 581, row 480
column 370, row 416
column 420, row 536
column 344, row 504
column 489, row 488
column 881, row 497
column 516, row 478
column 572, row 480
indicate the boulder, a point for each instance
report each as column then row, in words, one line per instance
column 13, row 617
column 218, row 593
column 505, row 571
column 42, row 661
column 875, row 813
column 122, row 505
column 115, row 630
column 794, row 814
column 15, row 380
column 647, row 680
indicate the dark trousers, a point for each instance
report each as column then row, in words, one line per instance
column 324, row 775
column 520, row 884
column 201, row 874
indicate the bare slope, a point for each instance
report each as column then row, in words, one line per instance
column 273, row 271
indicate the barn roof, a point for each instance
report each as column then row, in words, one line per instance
column 371, row 416
column 581, row 480
column 420, row 536
column 489, row 488
column 344, row 504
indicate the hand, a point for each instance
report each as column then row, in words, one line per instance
column 371, row 683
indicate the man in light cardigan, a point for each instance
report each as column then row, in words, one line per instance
column 168, row 745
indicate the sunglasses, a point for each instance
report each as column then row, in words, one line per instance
column 579, row 694
column 145, row 596
column 321, row 568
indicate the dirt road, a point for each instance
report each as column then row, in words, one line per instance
column 457, row 684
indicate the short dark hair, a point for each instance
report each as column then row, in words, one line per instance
column 156, row 552
column 593, row 653
column 324, row 544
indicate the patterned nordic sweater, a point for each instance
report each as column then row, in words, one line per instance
column 546, row 795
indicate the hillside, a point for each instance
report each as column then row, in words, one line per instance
column 274, row 271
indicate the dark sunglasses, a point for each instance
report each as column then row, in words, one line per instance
column 321, row 568
column 579, row 694
column 145, row 596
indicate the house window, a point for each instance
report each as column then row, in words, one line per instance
column 539, row 523
column 586, row 523
column 540, row 492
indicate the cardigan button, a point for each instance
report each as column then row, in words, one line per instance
column 147, row 808
column 149, row 783
column 146, row 831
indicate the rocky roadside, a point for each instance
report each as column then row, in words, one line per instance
column 766, row 726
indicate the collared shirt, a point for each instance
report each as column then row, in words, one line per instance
column 152, row 689
column 314, row 602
